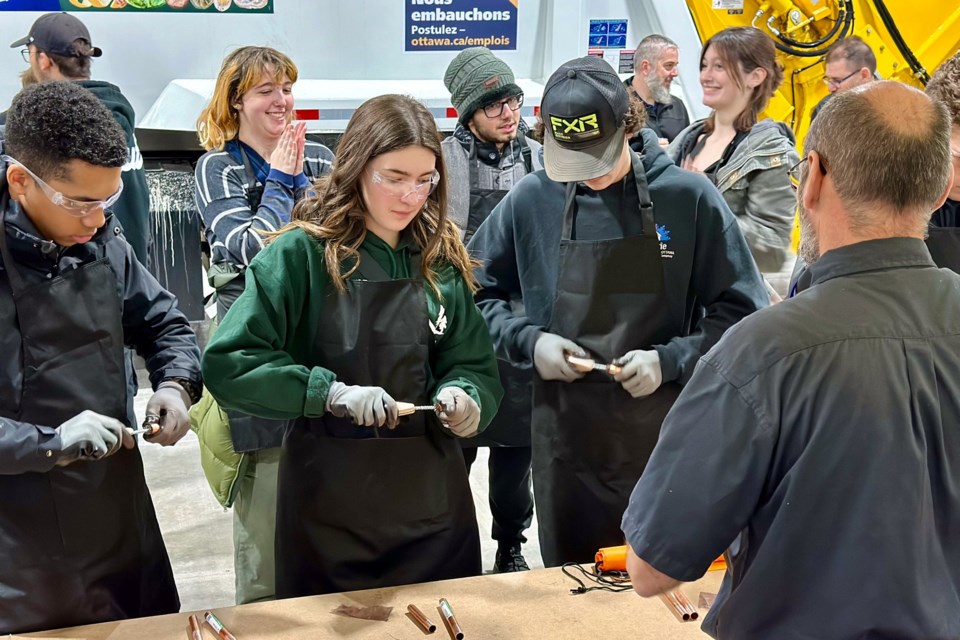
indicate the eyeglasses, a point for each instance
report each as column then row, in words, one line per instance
column 833, row 82
column 76, row 208
column 794, row 171
column 25, row 52
column 495, row 110
column 403, row 188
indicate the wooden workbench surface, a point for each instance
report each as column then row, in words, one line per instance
column 517, row 606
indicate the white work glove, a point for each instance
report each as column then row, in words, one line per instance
column 548, row 358
column 641, row 373
column 461, row 413
column 366, row 406
column 171, row 403
column 91, row 436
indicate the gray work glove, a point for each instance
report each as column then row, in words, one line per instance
column 548, row 358
column 367, row 406
column 91, row 436
column 172, row 404
column 461, row 413
column 641, row 374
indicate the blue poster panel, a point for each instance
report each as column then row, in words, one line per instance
column 607, row 34
column 452, row 25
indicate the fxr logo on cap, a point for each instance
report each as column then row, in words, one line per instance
column 576, row 129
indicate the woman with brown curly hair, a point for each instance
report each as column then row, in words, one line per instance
column 363, row 303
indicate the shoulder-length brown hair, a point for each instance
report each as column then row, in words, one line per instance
column 743, row 49
column 219, row 122
column 337, row 212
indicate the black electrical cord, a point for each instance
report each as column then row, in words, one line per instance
column 918, row 70
column 841, row 18
column 615, row 581
column 847, row 24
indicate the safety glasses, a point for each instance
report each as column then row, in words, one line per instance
column 76, row 208
column 403, row 188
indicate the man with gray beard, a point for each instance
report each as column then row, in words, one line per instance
column 820, row 434
column 655, row 67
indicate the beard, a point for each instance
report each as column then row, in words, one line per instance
column 659, row 92
column 809, row 244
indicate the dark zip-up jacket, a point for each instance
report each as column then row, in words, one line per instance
column 152, row 324
column 710, row 278
column 665, row 120
column 133, row 207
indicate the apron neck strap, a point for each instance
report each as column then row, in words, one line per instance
column 16, row 281
column 247, row 167
column 643, row 193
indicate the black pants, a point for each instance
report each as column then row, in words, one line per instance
column 511, row 500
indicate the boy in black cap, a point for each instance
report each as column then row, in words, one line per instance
column 81, row 542
column 486, row 156
column 59, row 47
column 619, row 257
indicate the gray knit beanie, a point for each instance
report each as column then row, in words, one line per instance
column 476, row 78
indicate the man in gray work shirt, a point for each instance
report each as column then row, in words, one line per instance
column 823, row 431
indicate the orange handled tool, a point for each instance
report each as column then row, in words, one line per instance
column 612, row 558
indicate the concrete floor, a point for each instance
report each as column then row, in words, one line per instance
column 199, row 532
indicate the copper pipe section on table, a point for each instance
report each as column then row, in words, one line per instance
column 421, row 620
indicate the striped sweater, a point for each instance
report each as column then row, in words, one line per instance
column 233, row 229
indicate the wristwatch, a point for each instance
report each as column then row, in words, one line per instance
column 193, row 389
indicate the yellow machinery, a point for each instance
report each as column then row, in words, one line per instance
column 909, row 37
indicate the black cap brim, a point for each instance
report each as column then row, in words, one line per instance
column 22, row 41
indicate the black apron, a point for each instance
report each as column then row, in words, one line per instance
column 591, row 439
column 80, row 543
column 511, row 426
column 360, row 507
column 944, row 246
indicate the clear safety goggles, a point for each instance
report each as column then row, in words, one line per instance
column 77, row 208
column 404, row 188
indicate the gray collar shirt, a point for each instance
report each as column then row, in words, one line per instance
column 823, row 435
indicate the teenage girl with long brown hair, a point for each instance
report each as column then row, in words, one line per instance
column 364, row 301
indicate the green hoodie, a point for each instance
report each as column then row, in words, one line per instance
column 133, row 207
column 259, row 361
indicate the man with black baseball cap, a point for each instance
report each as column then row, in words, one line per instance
column 619, row 257
column 59, row 47
column 61, row 34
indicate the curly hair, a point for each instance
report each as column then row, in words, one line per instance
column 634, row 120
column 944, row 87
column 743, row 49
column 51, row 123
column 337, row 212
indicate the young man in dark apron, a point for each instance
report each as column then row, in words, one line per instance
column 81, row 541
column 486, row 156
column 621, row 257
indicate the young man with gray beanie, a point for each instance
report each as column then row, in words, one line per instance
column 486, row 156
column 625, row 260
